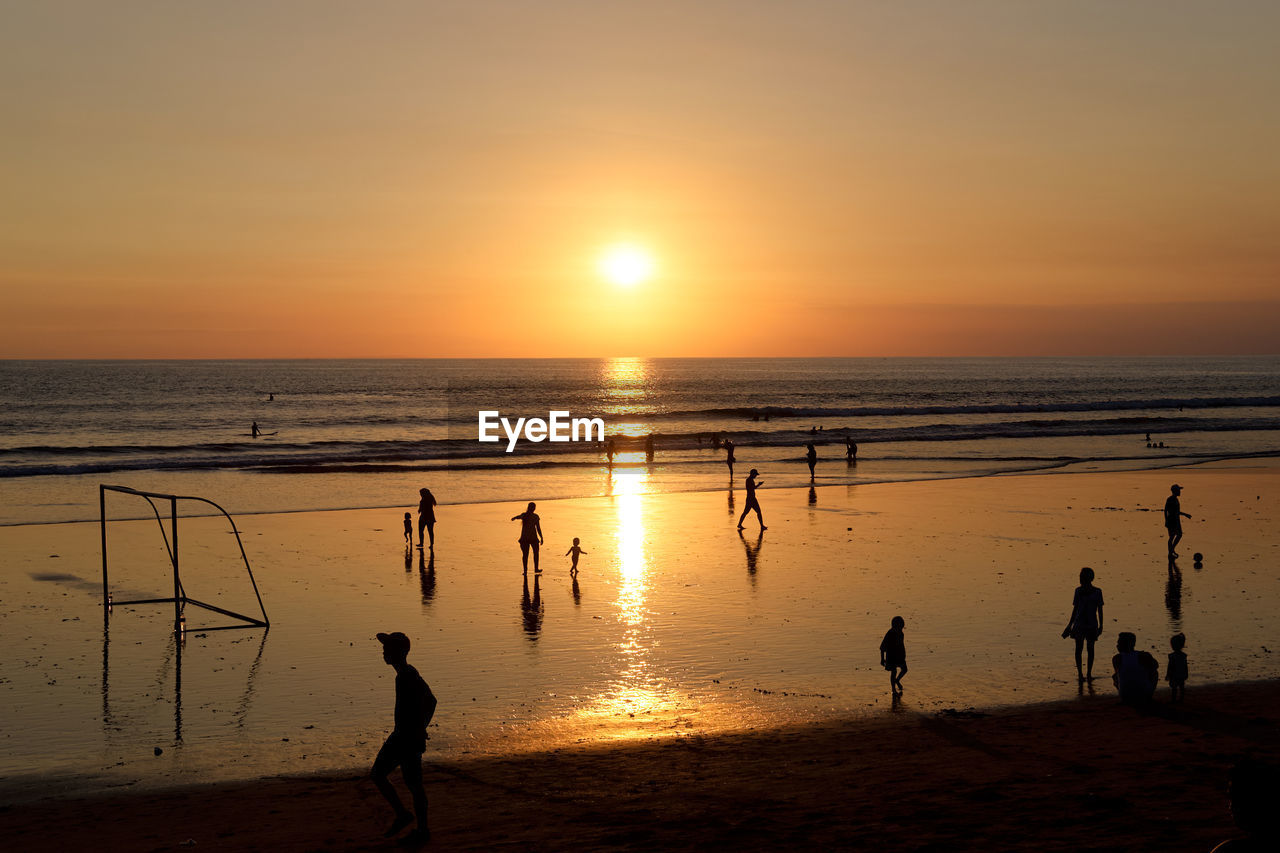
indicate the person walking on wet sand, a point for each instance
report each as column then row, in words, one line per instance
column 728, row 458
column 403, row 748
column 575, row 550
column 427, row 516
column 893, row 653
column 1085, row 623
column 1173, row 516
column 752, row 503
column 408, row 531
column 530, row 536
column 811, row 458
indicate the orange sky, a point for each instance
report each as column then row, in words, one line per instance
column 314, row 179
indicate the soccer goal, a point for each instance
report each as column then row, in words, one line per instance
column 180, row 598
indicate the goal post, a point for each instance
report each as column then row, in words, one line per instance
column 180, row 599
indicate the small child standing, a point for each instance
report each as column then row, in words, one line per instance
column 575, row 551
column 408, row 528
column 1176, row 672
column 893, row 654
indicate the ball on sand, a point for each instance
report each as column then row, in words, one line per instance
column 1197, row 556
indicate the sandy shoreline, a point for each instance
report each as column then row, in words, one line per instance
column 703, row 691
column 1085, row 774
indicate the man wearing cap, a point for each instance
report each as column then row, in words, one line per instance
column 1173, row 516
column 415, row 705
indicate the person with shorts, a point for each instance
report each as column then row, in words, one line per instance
column 403, row 748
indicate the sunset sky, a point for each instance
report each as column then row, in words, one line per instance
column 430, row 179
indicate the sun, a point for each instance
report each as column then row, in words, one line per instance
column 626, row 264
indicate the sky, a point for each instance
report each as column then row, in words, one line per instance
column 439, row 179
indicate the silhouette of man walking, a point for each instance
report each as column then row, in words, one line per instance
column 1173, row 516
column 415, row 706
column 752, row 503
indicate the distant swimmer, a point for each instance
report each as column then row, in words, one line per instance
column 752, row 503
column 254, row 431
column 1173, row 516
column 271, row 398
column 811, row 457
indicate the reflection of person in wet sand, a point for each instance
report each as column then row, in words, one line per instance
column 1173, row 516
column 752, row 503
column 752, row 549
column 531, row 607
column 1085, row 623
column 811, row 457
column 530, row 535
column 415, row 705
column 427, row 516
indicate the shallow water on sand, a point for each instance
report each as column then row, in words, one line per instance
column 676, row 624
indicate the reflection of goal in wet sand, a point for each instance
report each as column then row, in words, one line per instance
column 179, row 598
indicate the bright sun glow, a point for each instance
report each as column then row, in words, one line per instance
column 626, row 265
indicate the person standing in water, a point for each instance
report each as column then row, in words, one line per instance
column 893, row 653
column 530, row 536
column 427, row 517
column 1173, row 516
column 752, row 484
column 811, row 458
column 729, row 460
column 254, row 431
column 850, row 450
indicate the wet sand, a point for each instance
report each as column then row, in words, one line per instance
column 704, row 690
column 1085, row 774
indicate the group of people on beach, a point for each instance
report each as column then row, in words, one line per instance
column 1134, row 673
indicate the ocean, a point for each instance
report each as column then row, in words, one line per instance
column 369, row 433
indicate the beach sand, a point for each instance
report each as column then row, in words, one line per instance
column 698, row 694
column 1077, row 775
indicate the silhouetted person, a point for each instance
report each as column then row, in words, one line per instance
column 1134, row 673
column 254, row 431
column 531, row 607
column 271, row 398
column 415, row 706
column 427, row 516
column 530, row 535
column 1085, row 624
column 752, row 503
column 893, row 653
column 850, row 450
column 575, row 551
column 729, row 458
column 408, row 529
column 1176, row 672
column 610, row 448
column 1254, row 791
column 648, row 448
column 1173, row 516
column 811, row 458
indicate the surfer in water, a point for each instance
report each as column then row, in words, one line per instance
column 254, row 431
